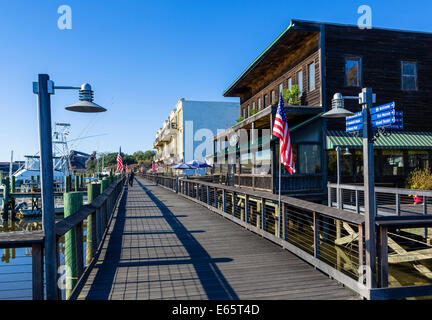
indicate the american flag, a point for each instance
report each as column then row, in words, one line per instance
column 127, row 169
column 153, row 166
column 280, row 130
column 119, row 161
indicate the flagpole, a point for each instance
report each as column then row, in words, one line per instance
column 279, row 204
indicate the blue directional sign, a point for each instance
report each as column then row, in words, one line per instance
column 350, row 123
column 355, row 128
column 386, row 114
column 355, row 116
column 384, row 107
column 386, row 122
column 395, row 127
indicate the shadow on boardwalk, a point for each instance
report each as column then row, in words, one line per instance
column 211, row 278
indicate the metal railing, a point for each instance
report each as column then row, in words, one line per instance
column 404, row 248
column 330, row 239
column 98, row 213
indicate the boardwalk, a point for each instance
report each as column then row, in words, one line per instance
column 163, row 246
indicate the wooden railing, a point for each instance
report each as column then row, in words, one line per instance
column 99, row 212
column 330, row 239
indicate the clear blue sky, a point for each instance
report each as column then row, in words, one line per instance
column 142, row 56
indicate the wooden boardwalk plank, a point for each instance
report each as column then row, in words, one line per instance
column 163, row 246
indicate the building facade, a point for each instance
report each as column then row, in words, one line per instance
column 187, row 133
column 321, row 59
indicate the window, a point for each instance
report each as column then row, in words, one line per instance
column 393, row 163
column 273, row 96
column 289, row 84
column 300, row 82
column 409, row 75
column 253, row 106
column 311, row 76
column 352, row 71
column 246, row 163
column 418, row 159
column 244, row 113
column 266, row 101
column 259, row 103
column 262, row 161
column 309, row 158
column 280, row 88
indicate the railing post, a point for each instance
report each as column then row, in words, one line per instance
column 73, row 201
column 234, row 204
column 317, row 247
column 425, row 213
column 79, row 249
column 93, row 191
column 360, row 249
column 398, row 212
column 37, row 272
column 198, row 189
column 224, row 200
column 383, row 257
column 247, row 214
column 329, row 198
column 208, row 195
column 263, row 215
column 284, row 222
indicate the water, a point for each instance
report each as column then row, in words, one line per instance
column 16, row 263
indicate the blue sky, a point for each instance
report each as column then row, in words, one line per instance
column 142, row 56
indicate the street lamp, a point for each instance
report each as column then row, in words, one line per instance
column 44, row 88
column 366, row 98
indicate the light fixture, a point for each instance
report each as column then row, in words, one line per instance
column 338, row 110
column 86, row 103
column 347, row 153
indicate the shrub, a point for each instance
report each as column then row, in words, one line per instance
column 420, row 179
column 240, row 119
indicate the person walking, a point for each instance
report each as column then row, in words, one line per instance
column 131, row 178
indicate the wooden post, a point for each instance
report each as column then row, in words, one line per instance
column 357, row 201
column 383, row 251
column 263, row 214
column 317, row 247
column 398, row 212
column 67, row 183
column 425, row 213
column 6, row 193
column 73, row 201
column 284, row 222
column 208, row 195
column 12, row 184
column 247, row 213
column 234, row 203
column 79, row 249
column 224, row 200
column 360, row 249
column 93, row 191
column 37, row 272
column 76, row 182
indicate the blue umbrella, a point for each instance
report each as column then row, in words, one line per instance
column 198, row 164
column 182, row 166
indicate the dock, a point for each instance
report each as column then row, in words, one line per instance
column 160, row 245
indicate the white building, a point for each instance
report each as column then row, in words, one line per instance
column 187, row 133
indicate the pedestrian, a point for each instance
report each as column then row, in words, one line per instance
column 131, row 178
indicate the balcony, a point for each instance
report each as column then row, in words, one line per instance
column 168, row 132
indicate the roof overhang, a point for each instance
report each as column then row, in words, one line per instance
column 299, row 39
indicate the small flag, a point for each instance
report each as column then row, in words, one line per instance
column 127, row 169
column 153, row 166
column 119, row 161
column 280, row 130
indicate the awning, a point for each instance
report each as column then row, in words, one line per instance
column 396, row 140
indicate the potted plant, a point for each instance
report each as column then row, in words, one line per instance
column 291, row 96
column 419, row 179
column 240, row 119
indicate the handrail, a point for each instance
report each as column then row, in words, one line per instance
column 99, row 211
column 425, row 193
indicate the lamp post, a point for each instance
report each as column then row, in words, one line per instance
column 366, row 98
column 44, row 88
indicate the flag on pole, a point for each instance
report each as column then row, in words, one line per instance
column 127, row 169
column 153, row 166
column 280, row 130
column 119, row 161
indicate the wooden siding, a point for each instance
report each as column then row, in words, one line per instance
column 312, row 98
column 382, row 52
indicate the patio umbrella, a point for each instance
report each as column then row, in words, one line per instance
column 182, row 166
column 198, row 164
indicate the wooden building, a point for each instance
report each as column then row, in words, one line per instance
column 323, row 59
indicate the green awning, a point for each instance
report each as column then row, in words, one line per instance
column 396, row 140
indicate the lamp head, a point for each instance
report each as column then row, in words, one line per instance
column 347, row 153
column 86, row 103
column 338, row 110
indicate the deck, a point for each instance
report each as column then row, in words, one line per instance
column 160, row 245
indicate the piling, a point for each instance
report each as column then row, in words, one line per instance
column 6, row 194
column 76, row 183
column 104, row 184
column 93, row 191
column 73, row 201
column 68, row 183
column 12, row 184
